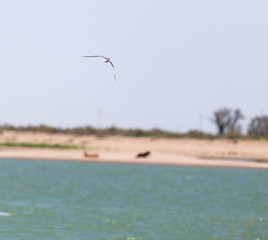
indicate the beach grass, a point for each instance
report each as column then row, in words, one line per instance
column 261, row 160
column 40, row 145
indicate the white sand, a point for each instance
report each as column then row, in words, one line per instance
column 184, row 152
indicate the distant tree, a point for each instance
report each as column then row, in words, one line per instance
column 258, row 126
column 227, row 121
column 222, row 119
column 235, row 128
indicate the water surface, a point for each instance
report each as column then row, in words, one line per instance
column 67, row 200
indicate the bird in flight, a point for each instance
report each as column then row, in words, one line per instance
column 106, row 60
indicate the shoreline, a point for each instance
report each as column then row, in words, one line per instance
column 120, row 158
column 220, row 153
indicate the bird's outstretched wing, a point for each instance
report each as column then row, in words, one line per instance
column 111, row 64
column 113, row 68
column 96, row 56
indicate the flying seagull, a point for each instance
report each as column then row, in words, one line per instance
column 106, row 60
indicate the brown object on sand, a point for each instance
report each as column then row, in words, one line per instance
column 143, row 155
column 90, row 155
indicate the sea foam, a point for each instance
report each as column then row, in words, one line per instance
column 6, row 214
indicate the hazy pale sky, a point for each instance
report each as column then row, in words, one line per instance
column 177, row 62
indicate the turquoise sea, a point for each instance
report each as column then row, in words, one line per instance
column 67, row 200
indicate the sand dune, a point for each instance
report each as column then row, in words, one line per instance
column 186, row 152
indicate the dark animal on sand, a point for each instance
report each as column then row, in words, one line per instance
column 143, row 155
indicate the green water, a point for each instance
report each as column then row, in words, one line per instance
column 66, row 200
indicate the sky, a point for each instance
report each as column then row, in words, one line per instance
column 176, row 62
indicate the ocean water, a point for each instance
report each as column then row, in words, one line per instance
column 67, row 200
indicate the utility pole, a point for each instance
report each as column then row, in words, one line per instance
column 99, row 118
column 201, row 122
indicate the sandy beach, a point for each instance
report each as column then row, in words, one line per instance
column 183, row 152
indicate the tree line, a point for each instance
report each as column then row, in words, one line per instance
column 226, row 120
column 110, row 131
